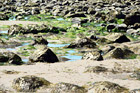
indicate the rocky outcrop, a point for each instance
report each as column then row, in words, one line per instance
column 43, row 54
column 29, row 83
column 10, row 57
column 107, row 87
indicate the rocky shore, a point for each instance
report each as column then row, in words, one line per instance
column 70, row 46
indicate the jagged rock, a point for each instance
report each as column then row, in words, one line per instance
column 40, row 40
column 29, row 83
column 83, row 42
column 95, row 69
column 65, row 88
column 43, row 54
column 117, row 38
column 10, row 57
column 107, row 87
column 94, row 55
column 15, row 29
column 120, row 53
column 111, row 26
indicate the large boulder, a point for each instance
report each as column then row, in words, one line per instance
column 10, row 57
column 107, row 87
column 83, row 43
column 94, row 55
column 65, row 88
column 15, row 29
column 43, row 54
column 29, row 83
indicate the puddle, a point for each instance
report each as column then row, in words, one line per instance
column 57, row 45
column 60, row 19
column 12, row 19
column 26, row 18
column 25, row 60
column 4, row 32
column 72, row 57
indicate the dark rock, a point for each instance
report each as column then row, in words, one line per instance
column 65, row 88
column 107, row 87
column 111, row 26
column 75, row 14
column 43, row 54
column 29, row 83
column 10, row 57
column 132, row 19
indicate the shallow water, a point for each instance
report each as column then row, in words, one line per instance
column 4, row 32
column 57, row 45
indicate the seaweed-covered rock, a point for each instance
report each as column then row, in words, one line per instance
column 94, row 55
column 15, row 29
column 40, row 40
column 84, row 42
column 65, row 88
column 10, row 57
column 95, row 69
column 43, row 54
column 107, row 87
column 29, row 83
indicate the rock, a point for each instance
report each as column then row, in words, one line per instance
column 29, row 83
column 15, row 29
column 65, row 88
column 107, row 87
column 83, row 42
column 75, row 14
column 133, row 32
column 132, row 19
column 110, row 27
column 120, row 53
column 122, row 27
column 95, row 69
column 107, row 48
column 3, row 17
column 40, row 40
column 94, row 55
column 10, row 57
column 135, row 91
column 43, row 54
column 117, row 38
column 103, row 41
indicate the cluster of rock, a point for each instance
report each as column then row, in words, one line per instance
column 33, row 84
column 33, row 28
